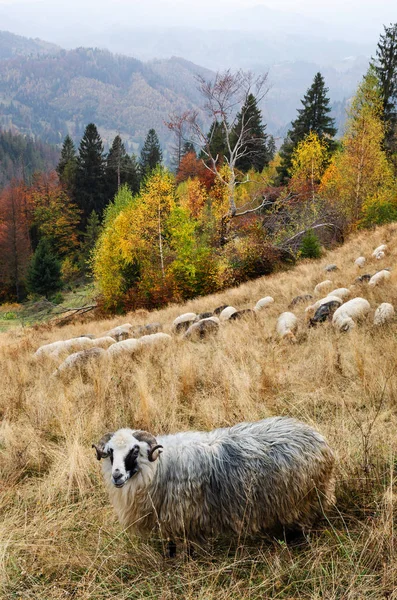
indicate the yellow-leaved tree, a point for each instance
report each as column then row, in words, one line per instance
column 360, row 171
column 309, row 161
column 131, row 247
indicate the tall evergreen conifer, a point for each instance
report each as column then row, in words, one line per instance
column 120, row 168
column 385, row 65
column 254, row 148
column 151, row 154
column 90, row 187
column 44, row 273
column 66, row 167
column 314, row 116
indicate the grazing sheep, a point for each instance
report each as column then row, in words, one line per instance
column 90, row 336
column 154, row 339
column 346, row 315
column 384, row 314
column 310, row 310
column 324, row 313
column 363, row 278
column 330, row 268
column 204, row 315
column 56, row 349
column 322, row 287
column 227, row 313
column 217, row 311
column 360, row 262
column 129, row 346
column 241, row 314
column 104, row 342
column 263, row 303
column 202, row 328
column 249, row 479
column 120, row 333
column 342, row 293
column 183, row 322
column 379, row 278
column 287, row 326
column 300, row 299
column 146, row 329
column 379, row 252
column 79, row 360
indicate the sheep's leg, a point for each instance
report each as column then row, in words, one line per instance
column 171, row 549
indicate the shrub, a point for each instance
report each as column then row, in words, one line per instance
column 310, row 246
column 44, row 273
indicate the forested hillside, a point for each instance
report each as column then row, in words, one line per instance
column 21, row 157
column 16, row 45
column 51, row 96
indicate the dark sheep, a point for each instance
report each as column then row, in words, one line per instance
column 324, row 313
column 300, row 299
column 241, row 314
column 202, row 329
column 218, row 310
column 363, row 278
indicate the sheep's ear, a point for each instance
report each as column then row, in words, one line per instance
column 100, row 446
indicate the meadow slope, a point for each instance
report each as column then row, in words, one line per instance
column 59, row 537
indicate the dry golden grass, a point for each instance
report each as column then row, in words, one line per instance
column 59, row 537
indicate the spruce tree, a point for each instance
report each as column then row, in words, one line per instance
column 44, row 273
column 310, row 246
column 270, row 148
column 120, row 169
column 314, row 116
column 254, row 149
column 385, row 65
column 90, row 238
column 66, row 167
column 151, row 154
column 90, row 186
column 217, row 141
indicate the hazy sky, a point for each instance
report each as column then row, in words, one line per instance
column 355, row 20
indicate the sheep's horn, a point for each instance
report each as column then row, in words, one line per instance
column 151, row 452
column 100, row 447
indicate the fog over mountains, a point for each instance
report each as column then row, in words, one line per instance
column 291, row 45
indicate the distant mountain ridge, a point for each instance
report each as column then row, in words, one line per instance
column 47, row 92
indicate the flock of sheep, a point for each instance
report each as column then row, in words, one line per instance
column 128, row 339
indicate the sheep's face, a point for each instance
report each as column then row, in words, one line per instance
column 128, row 452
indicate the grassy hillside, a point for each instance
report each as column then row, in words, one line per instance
column 59, row 537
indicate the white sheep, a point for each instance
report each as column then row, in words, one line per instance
column 342, row 293
column 227, row 313
column 379, row 277
column 202, row 328
column 322, row 287
column 79, row 361
column 183, row 322
column 56, row 349
column 154, row 339
column 346, row 315
column 129, row 346
column 360, row 262
column 380, row 251
column 287, row 326
column 263, row 303
column 384, row 314
column 103, row 342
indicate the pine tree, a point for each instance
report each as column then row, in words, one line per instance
column 271, row 148
column 91, row 236
column 254, row 150
column 120, row 169
column 310, row 245
column 313, row 117
column 217, row 141
column 90, row 188
column 151, row 154
column 66, row 167
column 385, row 65
column 44, row 273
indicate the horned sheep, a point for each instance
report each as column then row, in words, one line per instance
column 251, row 478
column 345, row 316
